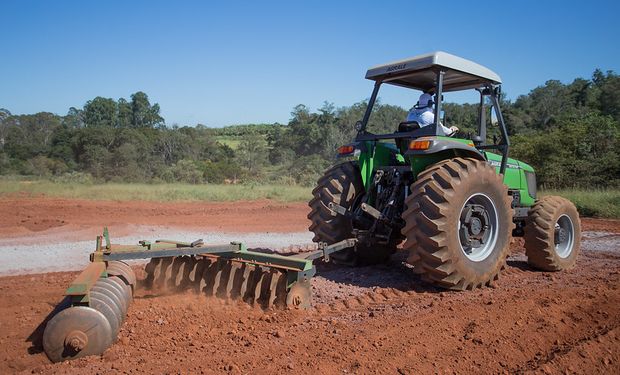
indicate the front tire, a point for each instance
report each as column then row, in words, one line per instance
column 553, row 234
column 458, row 224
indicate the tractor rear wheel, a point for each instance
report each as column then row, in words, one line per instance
column 552, row 234
column 342, row 184
column 458, row 224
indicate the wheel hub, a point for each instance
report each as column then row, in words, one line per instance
column 561, row 234
column 474, row 224
column 478, row 227
column 564, row 236
column 76, row 340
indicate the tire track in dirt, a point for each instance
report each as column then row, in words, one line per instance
column 561, row 350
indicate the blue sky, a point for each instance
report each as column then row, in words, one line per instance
column 221, row 63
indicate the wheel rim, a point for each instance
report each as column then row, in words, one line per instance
column 478, row 227
column 564, row 236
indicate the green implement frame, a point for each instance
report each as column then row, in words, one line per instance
column 297, row 268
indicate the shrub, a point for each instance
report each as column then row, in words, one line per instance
column 74, row 178
column 187, row 171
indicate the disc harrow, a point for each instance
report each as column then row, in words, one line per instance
column 216, row 277
column 99, row 298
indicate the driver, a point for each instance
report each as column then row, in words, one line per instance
column 424, row 114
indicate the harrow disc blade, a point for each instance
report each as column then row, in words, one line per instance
column 208, row 278
column 299, row 296
column 278, row 290
column 117, row 290
column 127, row 292
column 160, row 272
column 105, row 305
column 149, row 269
column 226, row 279
column 76, row 332
column 195, row 275
column 244, row 281
column 123, row 271
column 112, row 294
column 222, row 279
column 183, row 279
column 235, row 279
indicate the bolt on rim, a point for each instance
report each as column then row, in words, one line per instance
column 478, row 227
column 564, row 236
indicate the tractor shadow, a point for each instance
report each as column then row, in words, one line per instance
column 521, row 265
column 396, row 274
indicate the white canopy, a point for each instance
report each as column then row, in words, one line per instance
column 419, row 72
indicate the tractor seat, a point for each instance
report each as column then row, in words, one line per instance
column 405, row 127
column 408, row 126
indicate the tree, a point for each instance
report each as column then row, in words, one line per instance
column 609, row 97
column 125, row 114
column 95, row 159
column 62, row 145
column 74, row 118
column 252, row 153
column 30, row 135
column 144, row 115
column 581, row 152
column 4, row 115
column 100, row 112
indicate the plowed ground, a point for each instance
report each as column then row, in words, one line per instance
column 378, row 319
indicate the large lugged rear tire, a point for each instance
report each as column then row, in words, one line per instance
column 553, row 234
column 458, row 224
column 343, row 185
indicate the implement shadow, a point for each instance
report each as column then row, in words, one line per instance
column 36, row 336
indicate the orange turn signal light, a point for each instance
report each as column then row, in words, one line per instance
column 419, row 145
column 345, row 150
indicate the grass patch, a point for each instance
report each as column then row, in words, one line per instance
column 230, row 141
column 590, row 203
column 157, row 192
column 596, row 203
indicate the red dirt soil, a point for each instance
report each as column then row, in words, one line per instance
column 29, row 216
column 529, row 322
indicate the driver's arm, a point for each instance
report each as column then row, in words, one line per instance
column 449, row 131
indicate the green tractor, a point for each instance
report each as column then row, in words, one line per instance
column 454, row 201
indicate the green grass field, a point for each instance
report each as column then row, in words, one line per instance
column 597, row 203
column 157, row 192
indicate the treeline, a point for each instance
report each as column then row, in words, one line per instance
column 569, row 132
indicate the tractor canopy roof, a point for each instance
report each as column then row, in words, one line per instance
column 420, row 73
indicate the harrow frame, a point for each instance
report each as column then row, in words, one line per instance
column 98, row 298
column 298, row 269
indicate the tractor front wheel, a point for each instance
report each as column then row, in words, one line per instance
column 552, row 234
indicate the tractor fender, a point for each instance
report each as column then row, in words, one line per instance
column 445, row 145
